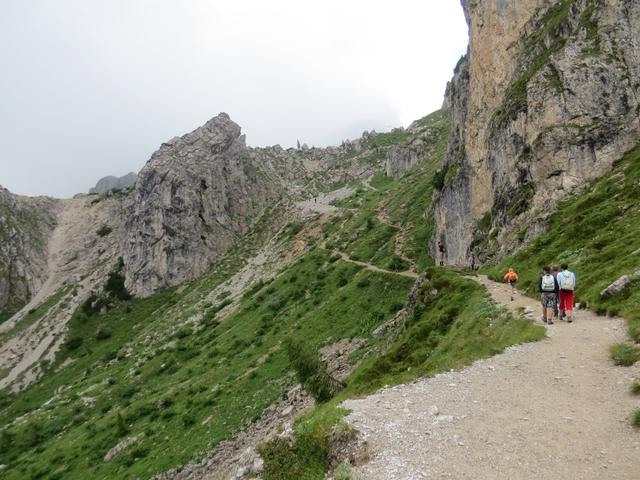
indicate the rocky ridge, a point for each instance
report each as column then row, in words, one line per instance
column 199, row 194
column 109, row 183
column 546, row 100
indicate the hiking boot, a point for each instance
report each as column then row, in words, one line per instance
column 543, row 320
column 550, row 322
column 569, row 319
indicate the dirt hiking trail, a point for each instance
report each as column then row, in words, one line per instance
column 553, row 409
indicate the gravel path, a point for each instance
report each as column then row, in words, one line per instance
column 373, row 268
column 555, row 409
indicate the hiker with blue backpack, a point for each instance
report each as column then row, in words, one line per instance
column 567, row 285
column 549, row 288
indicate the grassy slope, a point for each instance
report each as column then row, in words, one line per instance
column 226, row 371
column 598, row 234
column 449, row 330
column 406, row 202
column 186, row 386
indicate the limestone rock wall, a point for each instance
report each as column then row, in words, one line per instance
column 25, row 227
column 193, row 199
column 545, row 101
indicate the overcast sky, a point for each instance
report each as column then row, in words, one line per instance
column 90, row 88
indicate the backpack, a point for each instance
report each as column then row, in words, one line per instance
column 567, row 282
column 548, row 283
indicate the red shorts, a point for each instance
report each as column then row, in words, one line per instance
column 566, row 300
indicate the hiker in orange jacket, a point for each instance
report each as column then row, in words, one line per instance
column 511, row 277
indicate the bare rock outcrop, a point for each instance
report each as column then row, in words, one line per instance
column 26, row 224
column 546, row 100
column 109, row 183
column 399, row 161
column 193, row 199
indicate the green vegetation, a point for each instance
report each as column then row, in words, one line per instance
column 148, row 372
column 598, row 234
column 311, row 370
column 104, row 230
column 448, row 329
column 624, row 354
column 115, row 283
column 635, row 388
column 635, row 419
column 185, row 369
column 403, row 204
column 9, row 311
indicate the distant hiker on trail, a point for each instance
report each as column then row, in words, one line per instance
column 473, row 261
column 554, row 272
column 511, row 277
column 442, row 250
column 567, row 284
column 548, row 293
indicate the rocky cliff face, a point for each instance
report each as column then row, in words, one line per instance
column 202, row 192
column 193, row 199
column 546, row 100
column 25, row 226
column 106, row 184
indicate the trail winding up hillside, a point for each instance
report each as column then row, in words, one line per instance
column 553, row 409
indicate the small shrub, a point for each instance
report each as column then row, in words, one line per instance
column 73, row 343
column 635, row 388
column 121, row 426
column 396, row 307
column 625, row 354
column 224, row 295
column 311, row 371
column 115, row 283
column 184, row 332
column 294, row 229
column 343, row 472
column 188, row 420
column 363, row 282
column 104, row 230
column 397, row 264
column 102, row 334
column 635, row 419
column 370, row 223
column 342, row 281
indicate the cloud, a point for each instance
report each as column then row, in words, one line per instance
column 91, row 88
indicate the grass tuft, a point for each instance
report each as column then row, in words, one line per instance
column 624, row 354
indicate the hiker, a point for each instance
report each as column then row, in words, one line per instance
column 473, row 262
column 548, row 293
column 567, row 285
column 554, row 271
column 442, row 251
column 511, row 277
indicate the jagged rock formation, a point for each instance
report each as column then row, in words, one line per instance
column 399, row 161
column 25, row 226
column 109, row 183
column 416, row 142
column 546, row 100
column 193, row 199
column 202, row 192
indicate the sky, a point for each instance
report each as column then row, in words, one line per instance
column 90, row 88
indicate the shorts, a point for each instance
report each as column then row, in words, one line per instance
column 548, row 299
column 566, row 300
